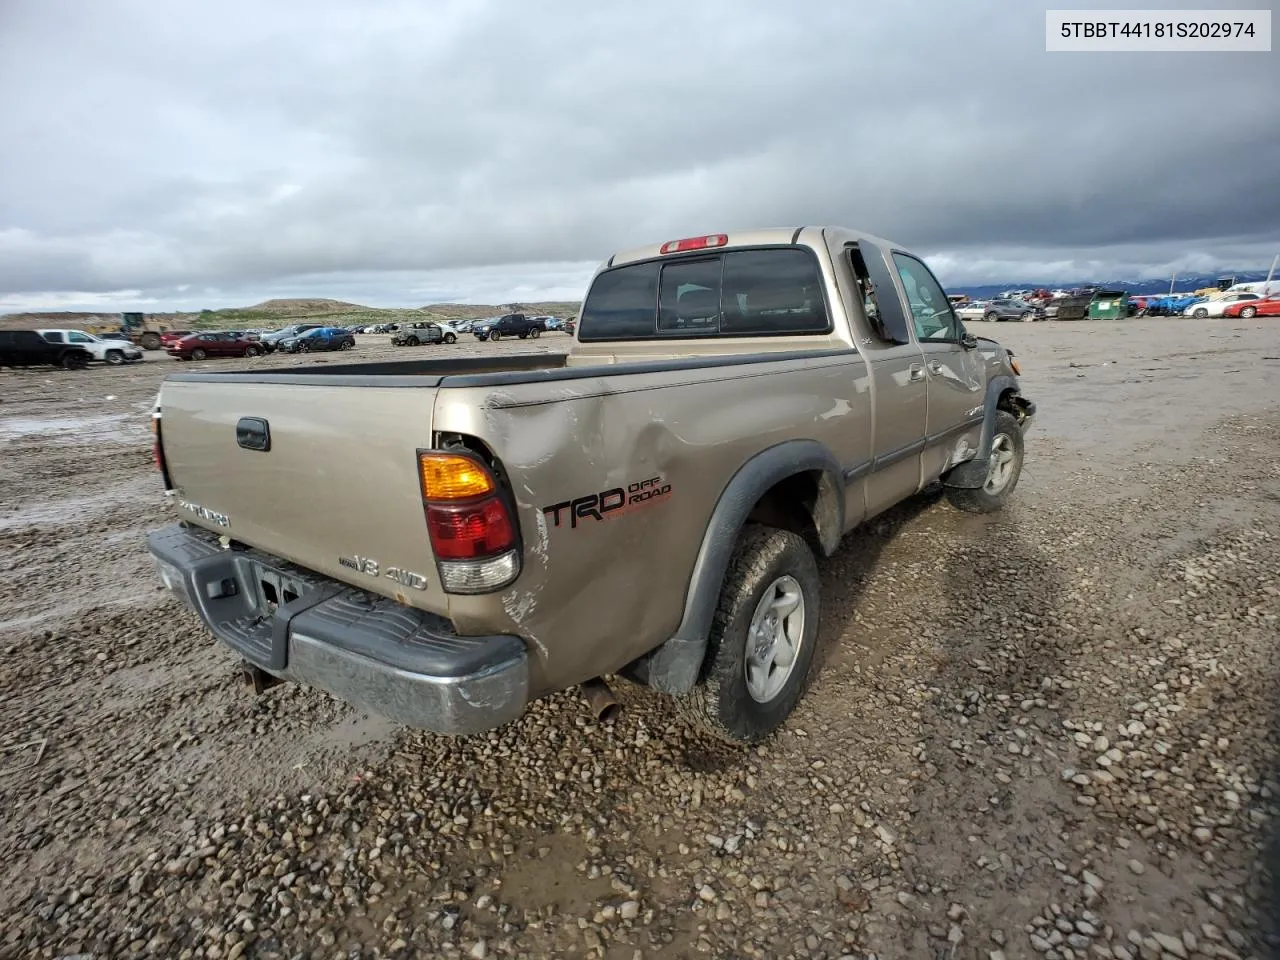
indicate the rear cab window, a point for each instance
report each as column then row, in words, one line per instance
column 747, row 292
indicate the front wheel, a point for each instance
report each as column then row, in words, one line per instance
column 762, row 638
column 495, row 336
column 115, row 357
column 1004, row 467
column 348, row 344
column 1028, row 317
column 252, row 351
column 1248, row 312
column 450, row 338
column 1200, row 313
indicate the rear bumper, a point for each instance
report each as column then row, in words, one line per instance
column 392, row 660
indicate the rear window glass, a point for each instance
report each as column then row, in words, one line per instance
column 760, row 292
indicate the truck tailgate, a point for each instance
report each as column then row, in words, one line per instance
column 336, row 491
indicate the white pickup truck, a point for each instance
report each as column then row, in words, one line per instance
column 114, row 352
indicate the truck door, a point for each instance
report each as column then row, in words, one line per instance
column 953, row 372
column 898, row 382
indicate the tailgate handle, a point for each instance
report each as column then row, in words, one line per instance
column 253, row 433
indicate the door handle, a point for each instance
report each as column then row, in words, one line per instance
column 917, row 371
column 935, row 366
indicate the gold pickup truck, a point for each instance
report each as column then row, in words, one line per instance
column 441, row 541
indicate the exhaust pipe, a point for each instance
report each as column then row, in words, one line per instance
column 600, row 700
column 258, row 678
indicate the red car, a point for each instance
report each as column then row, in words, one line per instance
column 169, row 337
column 1266, row 307
column 197, row 346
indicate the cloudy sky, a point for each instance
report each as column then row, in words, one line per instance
column 179, row 155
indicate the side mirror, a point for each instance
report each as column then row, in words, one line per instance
column 969, row 341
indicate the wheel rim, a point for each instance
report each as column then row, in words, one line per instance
column 197, row 354
column 1248, row 312
column 774, row 639
column 1201, row 314
column 1001, row 466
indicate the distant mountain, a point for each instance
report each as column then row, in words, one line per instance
column 1136, row 288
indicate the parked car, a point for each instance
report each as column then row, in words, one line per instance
column 210, row 343
column 510, row 325
column 27, row 348
column 319, row 338
column 424, row 332
column 564, row 525
column 975, row 310
column 1218, row 306
column 1008, row 309
column 170, row 337
column 272, row 341
column 1262, row 307
column 114, row 352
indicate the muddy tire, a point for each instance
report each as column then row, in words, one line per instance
column 198, row 354
column 762, row 638
column 1007, row 453
column 74, row 361
column 149, row 341
column 114, row 357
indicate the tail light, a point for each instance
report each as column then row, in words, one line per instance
column 695, row 243
column 473, row 533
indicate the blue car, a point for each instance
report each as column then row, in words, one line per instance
column 321, row 338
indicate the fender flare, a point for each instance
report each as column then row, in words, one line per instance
column 675, row 665
column 973, row 473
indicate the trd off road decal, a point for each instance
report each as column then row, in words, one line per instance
column 608, row 504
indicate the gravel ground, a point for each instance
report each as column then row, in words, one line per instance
column 1048, row 733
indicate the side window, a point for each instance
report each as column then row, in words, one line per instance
column 772, row 292
column 621, row 304
column 881, row 305
column 53, row 337
column 689, row 297
column 78, row 338
column 931, row 312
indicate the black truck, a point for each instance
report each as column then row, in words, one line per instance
column 509, row 325
column 26, row 348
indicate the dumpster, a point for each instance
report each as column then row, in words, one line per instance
column 1109, row 305
column 1073, row 307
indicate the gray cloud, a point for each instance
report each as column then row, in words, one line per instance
column 400, row 152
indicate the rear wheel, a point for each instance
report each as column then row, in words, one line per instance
column 762, row 638
column 1248, row 312
column 115, row 357
column 198, row 354
column 1004, row 467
